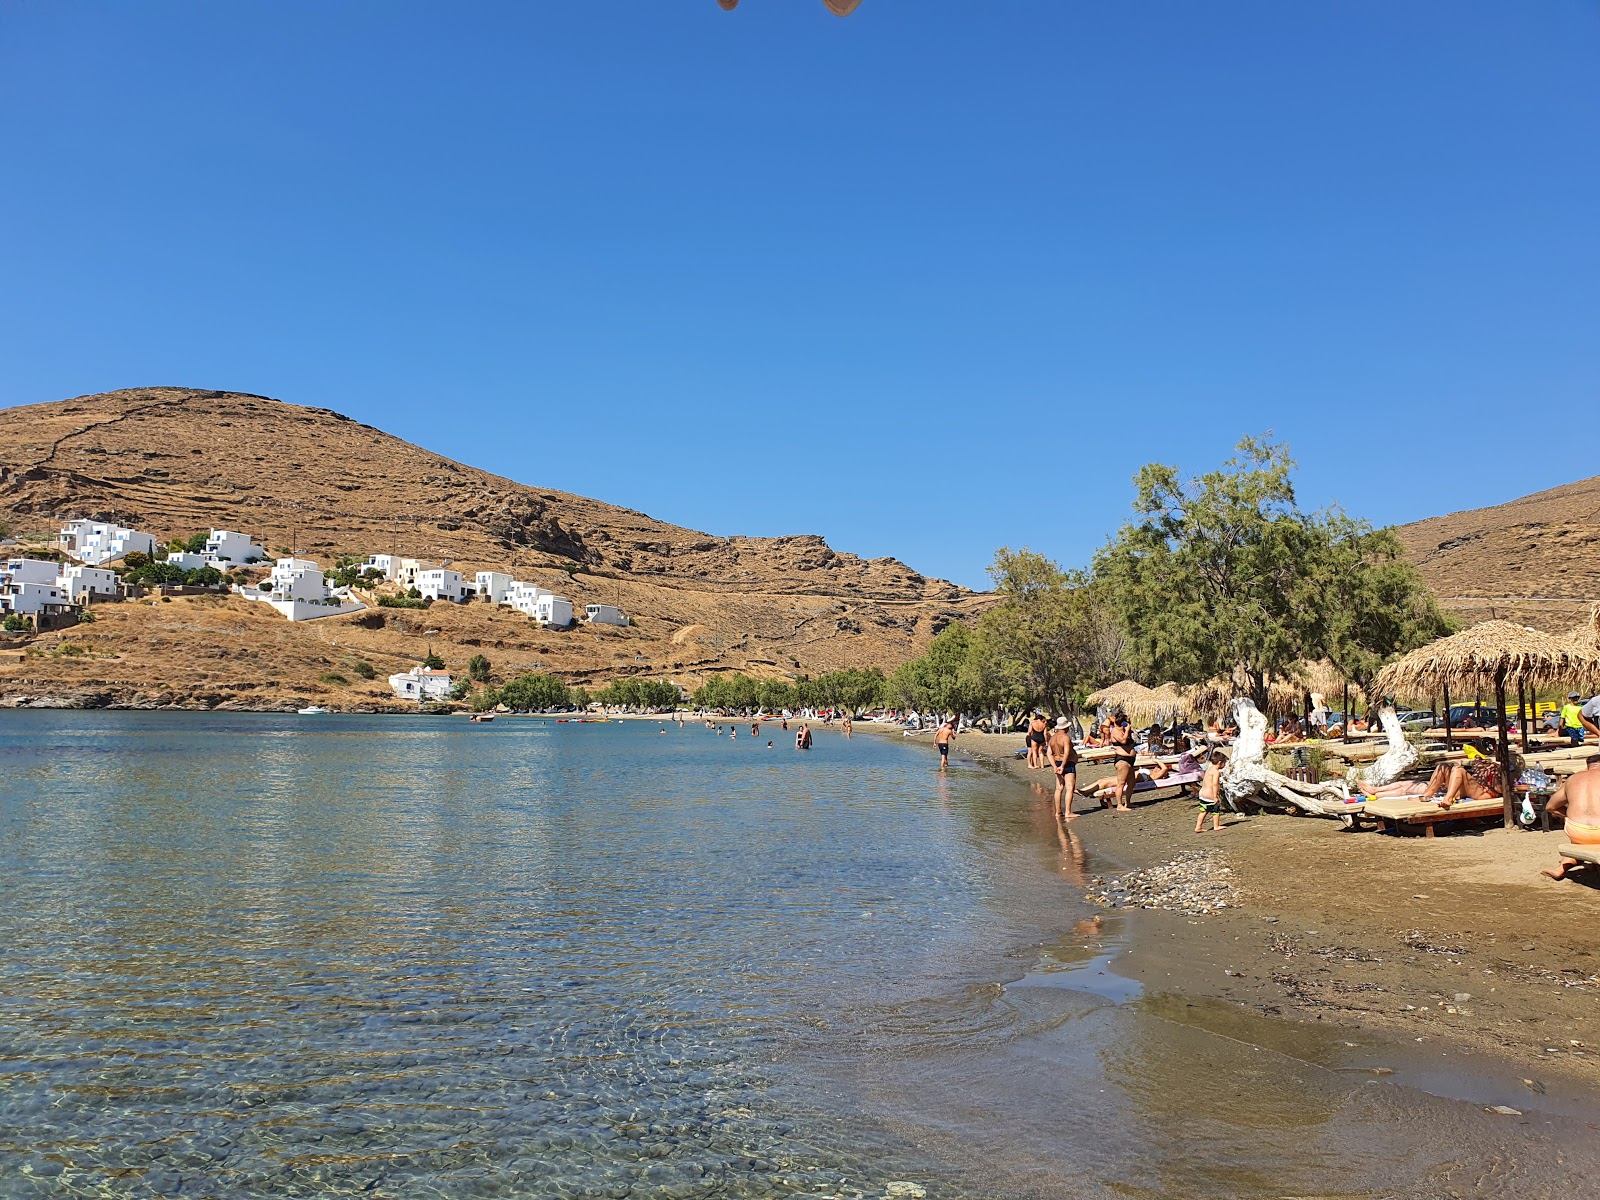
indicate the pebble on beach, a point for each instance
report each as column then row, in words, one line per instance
column 1195, row 882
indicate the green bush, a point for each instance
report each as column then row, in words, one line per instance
column 531, row 692
column 15, row 624
column 433, row 662
column 478, row 668
column 70, row 650
column 364, row 669
column 333, row 677
column 400, row 602
column 86, row 617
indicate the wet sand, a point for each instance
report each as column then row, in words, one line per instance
column 1452, row 946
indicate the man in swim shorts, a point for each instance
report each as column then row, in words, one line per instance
column 1578, row 800
column 942, row 739
column 1064, row 761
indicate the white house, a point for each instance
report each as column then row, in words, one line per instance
column 604, row 614
column 225, row 548
column 407, row 570
column 298, row 589
column 554, row 610
column 421, row 683
column 441, row 583
column 23, row 597
column 493, row 586
column 188, row 560
column 95, row 542
column 524, row 597
column 383, row 564
column 28, row 570
column 83, row 583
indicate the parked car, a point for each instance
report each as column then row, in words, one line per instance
column 1470, row 716
column 1418, row 719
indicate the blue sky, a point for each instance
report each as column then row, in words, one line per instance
column 928, row 280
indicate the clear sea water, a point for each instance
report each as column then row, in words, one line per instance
column 278, row 955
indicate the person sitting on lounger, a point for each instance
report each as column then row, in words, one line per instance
column 1578, row 800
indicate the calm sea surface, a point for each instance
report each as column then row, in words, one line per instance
column 280, row 955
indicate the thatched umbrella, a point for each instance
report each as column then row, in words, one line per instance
column 1138, row 701
column 1214, row 695
column 1583, row 643
column 1492, row 652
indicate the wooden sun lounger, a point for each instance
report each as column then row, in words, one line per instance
column 1414, row 812
column 1583, row 854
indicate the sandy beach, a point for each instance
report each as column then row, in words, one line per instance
column 1434, row 947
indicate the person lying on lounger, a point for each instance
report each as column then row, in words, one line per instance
column 1103, row 790
column 1478, row 779
column 1578, row 800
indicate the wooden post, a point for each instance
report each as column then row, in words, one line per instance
column 1522, row 715
column 1346, row 710
column 1447, row 736
column 1507, row 783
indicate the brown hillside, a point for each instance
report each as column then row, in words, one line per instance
column 1536, row 559
column 176, row 460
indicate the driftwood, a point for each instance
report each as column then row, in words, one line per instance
column 1394, row 762
column 1248, row 782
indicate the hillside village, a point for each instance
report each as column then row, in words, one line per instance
column 96, row 562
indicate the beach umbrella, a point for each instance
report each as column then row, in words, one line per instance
column 1583, row 643
column 1214, row 695
column 1139, row 702
column 1490, row 654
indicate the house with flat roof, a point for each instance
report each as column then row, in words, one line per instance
column 96, row 542
column 421, row 684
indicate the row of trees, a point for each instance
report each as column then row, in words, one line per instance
column 158, row 571
column 1216, row 574
column 852, row 689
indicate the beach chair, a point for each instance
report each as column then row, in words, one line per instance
column 1391, row 814
column 1588, row 855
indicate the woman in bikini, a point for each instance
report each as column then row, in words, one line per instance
column 1036, row 741
column 1120, row 736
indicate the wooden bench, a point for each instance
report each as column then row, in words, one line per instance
column 1583, row 854
column 1393, row 813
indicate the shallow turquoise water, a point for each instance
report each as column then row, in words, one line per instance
column 264, row 955
column 248, row 951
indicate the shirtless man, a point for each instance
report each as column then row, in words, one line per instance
column 1578, row 800
column 1064, row 761
column 942, row 739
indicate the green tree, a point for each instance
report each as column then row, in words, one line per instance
column 534, row 692
column 202, row 577
column 945, row 679
column 579, row 697
column 432, row 661
column 197, row 542
column 478, row 668
column 364, row 669
column 15, row 624
column 150, row 573
column 461, row 689
column 1225, row 572
column 134, row 559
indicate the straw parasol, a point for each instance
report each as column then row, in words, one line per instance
column 1138, row 701
column 1583, row 643
column 1214, row 695
column 1492, row 653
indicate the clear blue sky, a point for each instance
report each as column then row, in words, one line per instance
column 927, row 280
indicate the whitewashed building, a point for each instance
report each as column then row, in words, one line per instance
column 225, row 548
column 604, row 614
column 298, row 589
column 441, row 583
column 421, row 683
column 28, row 570
column 383, row 564
column 553, row 610
column 493, row 586
column 25, row 598
column 187, row 560
column 96, row 542
column 82, row 584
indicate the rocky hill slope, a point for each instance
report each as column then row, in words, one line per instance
column 176, row 460
column 1534, row 560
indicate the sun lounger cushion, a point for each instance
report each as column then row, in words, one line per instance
column 1588, row 854
column 1411, row 810
column 1169, row 781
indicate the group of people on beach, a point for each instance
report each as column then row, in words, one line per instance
column 802, row 733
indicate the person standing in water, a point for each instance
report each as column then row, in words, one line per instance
column 942, row 739
column 847, row 725
column 802, row 738
column 1064, row 761
column 1036, row 740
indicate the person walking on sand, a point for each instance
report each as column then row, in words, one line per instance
column 1064, row 761
column 942, row 739
column 1578, row 800
column 1120, row 735
column 1211, row 793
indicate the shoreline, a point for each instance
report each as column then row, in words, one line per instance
column 1445, row 959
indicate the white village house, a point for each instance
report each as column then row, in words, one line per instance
column 421, row 683
column 82, row 584
column 226, row 548
column 441, row 583
column 96, row 542
column 493, row 586
column 542, row 605
column 298, row 589
column 187, row 560
column 29, row 586
column 604, row 614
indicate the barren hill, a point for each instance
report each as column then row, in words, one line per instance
column 1535, row 559
column 176, row 460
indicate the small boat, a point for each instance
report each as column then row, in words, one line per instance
column 482, row 718
column 312, row 710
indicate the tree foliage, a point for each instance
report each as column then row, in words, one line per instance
column 1225, row 571
column 433, row 662
column 533, row 692
column 853, row 689
column 478, row 668
column 648, row 694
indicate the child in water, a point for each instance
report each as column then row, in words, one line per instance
column 1211, row 793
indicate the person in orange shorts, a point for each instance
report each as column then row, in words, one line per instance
column 1578, row 800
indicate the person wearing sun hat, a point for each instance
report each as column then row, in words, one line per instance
column 1063, row 757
